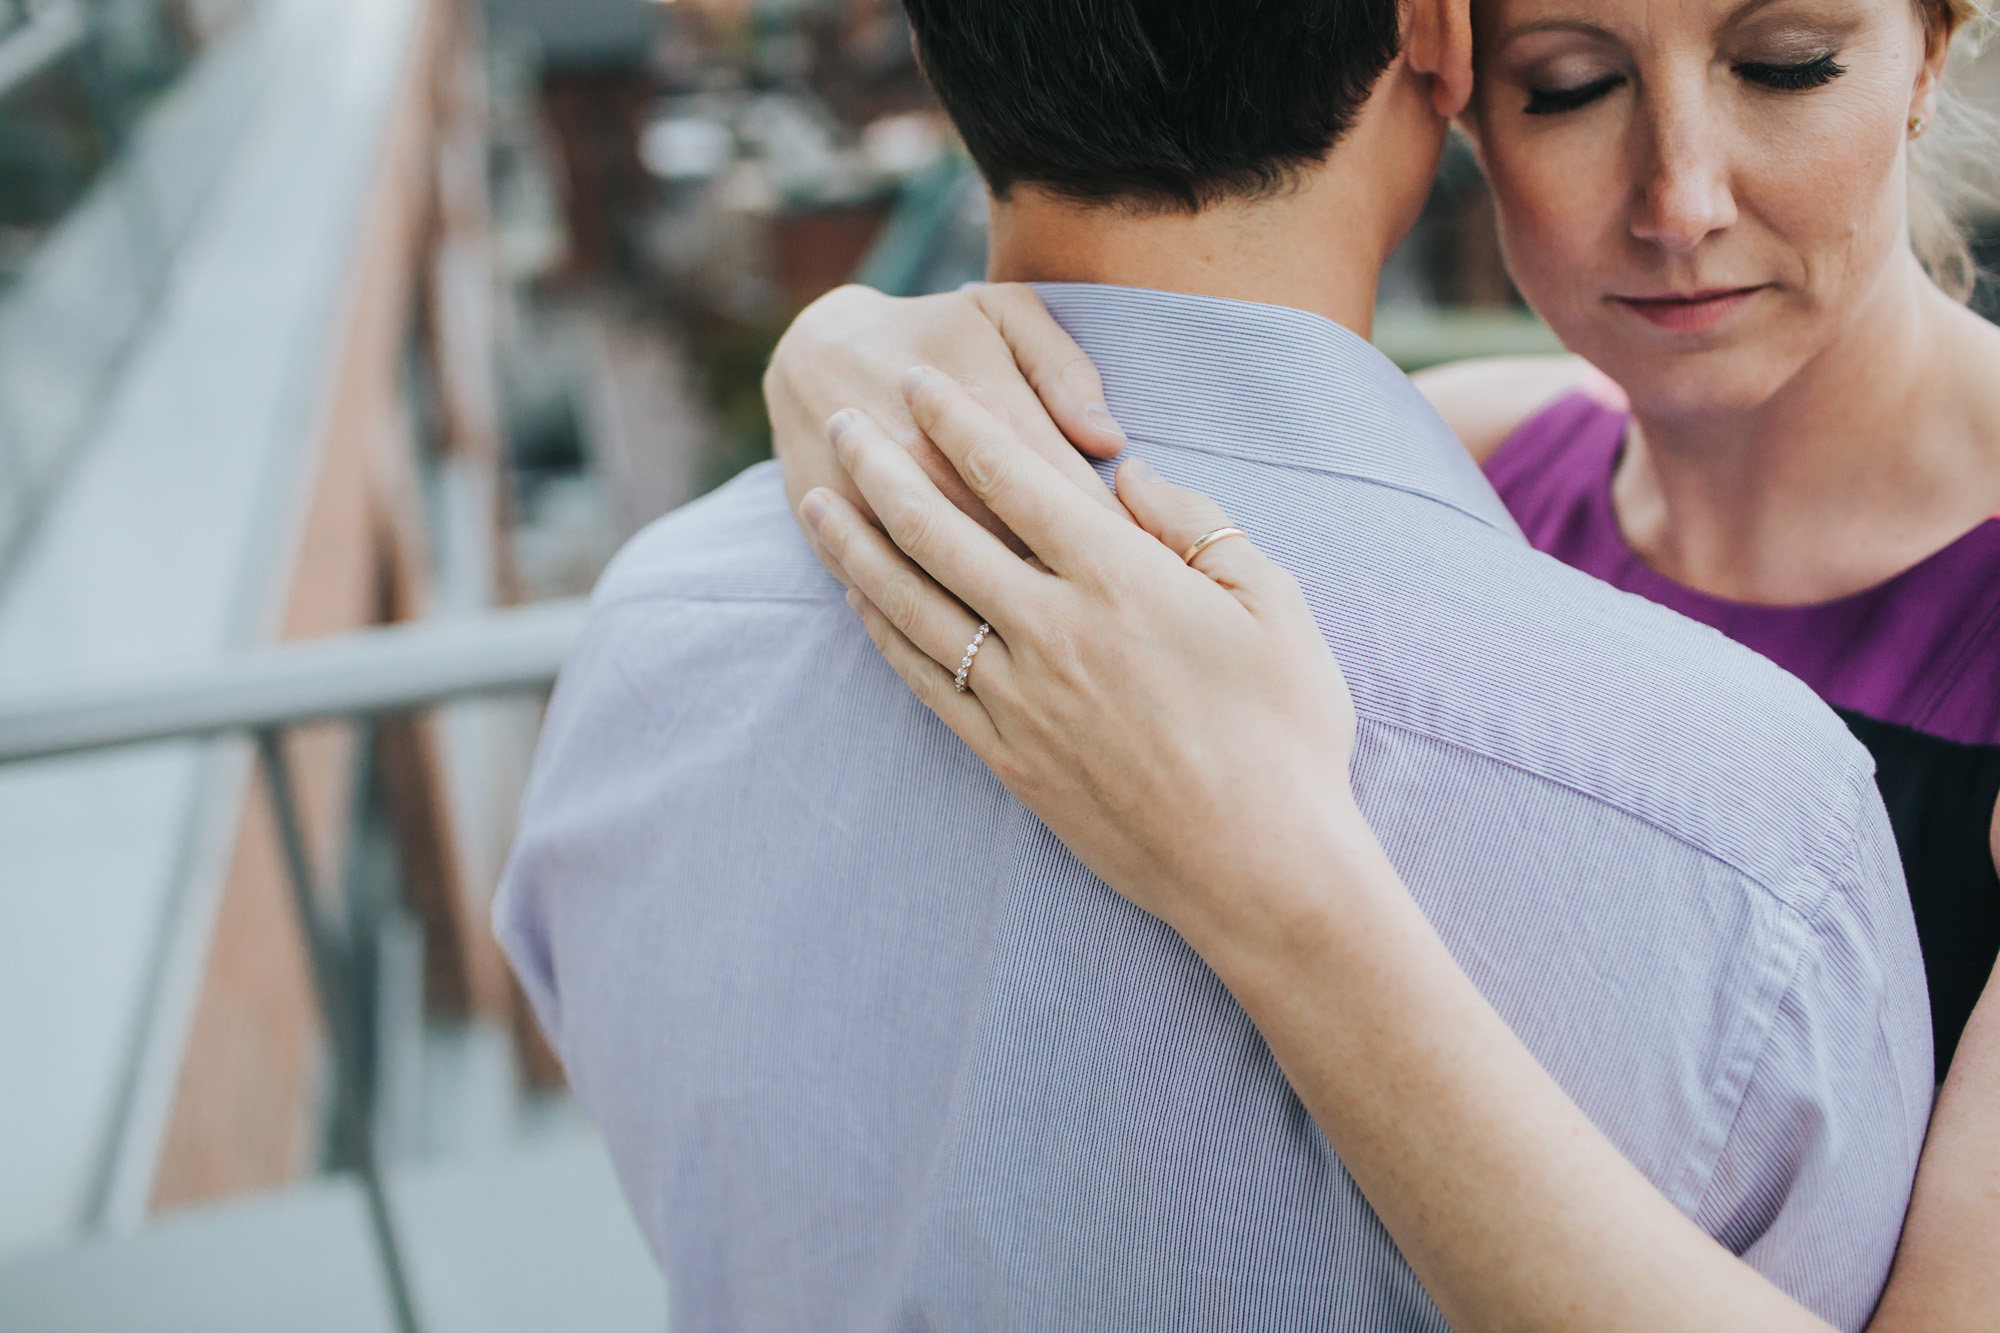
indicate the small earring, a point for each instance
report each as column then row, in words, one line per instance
column 1917, row 124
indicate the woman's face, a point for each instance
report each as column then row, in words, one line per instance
column 1699, row 196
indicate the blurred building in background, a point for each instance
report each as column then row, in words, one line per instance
column 262, row 1062
column 672, row 183
column 319, row 316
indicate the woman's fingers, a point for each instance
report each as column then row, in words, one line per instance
column 1179, row 518
column 849, row 348
column 1062, row 376
column 871, row 565
column 952, row 548
column 935, row 688
column 1057, row 521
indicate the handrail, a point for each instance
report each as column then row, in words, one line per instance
column 393, row 669
column 364, row 674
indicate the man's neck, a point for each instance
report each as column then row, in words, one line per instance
column 1314, row 247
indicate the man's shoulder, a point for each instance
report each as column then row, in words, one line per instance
column 739, row 543
column 1667, row 719
column 1514, row 655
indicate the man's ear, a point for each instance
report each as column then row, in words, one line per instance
column 1437, row 43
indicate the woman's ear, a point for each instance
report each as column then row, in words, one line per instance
column 1938, row 30
column 1437, row 42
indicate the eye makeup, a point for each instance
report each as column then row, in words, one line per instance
column 1555, row 101
column 1790, row 77
column 1805, row 75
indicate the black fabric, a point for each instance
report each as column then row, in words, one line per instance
column 1941, row 796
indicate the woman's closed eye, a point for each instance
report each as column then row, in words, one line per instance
column 1555, row 101
column 1795, row 78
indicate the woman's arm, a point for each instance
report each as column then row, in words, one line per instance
column 1946, row 1277
column 1236, row 826
column 1486, row 400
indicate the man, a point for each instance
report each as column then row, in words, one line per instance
column 872, row 1051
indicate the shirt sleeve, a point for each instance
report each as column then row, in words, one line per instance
column 546, row 853
column 1814, row 1176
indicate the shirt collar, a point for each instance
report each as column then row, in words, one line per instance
column 1268, row 384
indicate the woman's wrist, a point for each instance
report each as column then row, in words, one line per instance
column 1320, row 894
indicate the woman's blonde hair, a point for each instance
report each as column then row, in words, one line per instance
column 1949, row 181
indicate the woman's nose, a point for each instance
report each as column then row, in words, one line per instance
column 1683, row 196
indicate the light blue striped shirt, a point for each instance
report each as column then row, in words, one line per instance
column 874, row 1052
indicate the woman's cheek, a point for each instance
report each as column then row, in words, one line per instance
column 1561, row 213
column 1822, row 173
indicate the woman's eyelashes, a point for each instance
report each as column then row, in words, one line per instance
column 1784, row 78
column 1555, row 101
column 1815, row 73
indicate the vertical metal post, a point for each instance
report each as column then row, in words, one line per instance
column 333, row 978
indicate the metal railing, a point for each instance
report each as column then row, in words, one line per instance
column 365, row 676
column 368, row 673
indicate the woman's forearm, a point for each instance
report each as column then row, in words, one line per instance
column 1947, row 1273
column 1514, row 1211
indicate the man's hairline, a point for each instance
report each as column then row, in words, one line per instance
column 1149, row 205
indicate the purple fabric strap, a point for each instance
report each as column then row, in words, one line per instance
column 1921, row 650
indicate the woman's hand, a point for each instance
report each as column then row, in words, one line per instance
column 850, row 348
column 1170, row 724
column 1187, row 734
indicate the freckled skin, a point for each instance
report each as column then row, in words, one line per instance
column 1688, row 176
column 1708, row 200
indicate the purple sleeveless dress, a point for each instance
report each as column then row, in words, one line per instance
column 1912, row 665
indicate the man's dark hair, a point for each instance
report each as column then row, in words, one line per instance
column 1160, row 103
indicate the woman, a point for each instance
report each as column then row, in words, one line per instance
column 1710, row 206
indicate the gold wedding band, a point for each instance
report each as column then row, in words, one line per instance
column 1207, row 540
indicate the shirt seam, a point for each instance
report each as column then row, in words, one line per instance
column 1810, row 937
column 1707, row 1159
column 1846, row 836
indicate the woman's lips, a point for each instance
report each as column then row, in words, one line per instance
column 1689, row 312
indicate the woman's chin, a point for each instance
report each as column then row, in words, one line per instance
column 1725, row 376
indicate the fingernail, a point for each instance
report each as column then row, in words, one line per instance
column 855, row 599
column 915, row 378
column 813, row 510
column 1139, row 470
column 837, row 425
column 1101, row 419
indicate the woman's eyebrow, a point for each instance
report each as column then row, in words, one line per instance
column 1818, row 22
column 1577, row 25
